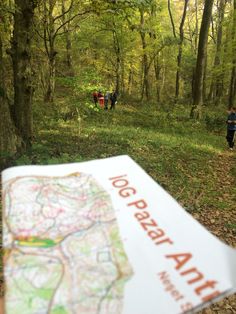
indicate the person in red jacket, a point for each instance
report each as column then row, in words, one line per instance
column 101, row 99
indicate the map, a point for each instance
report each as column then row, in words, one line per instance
column 63, row 251
column 102, row 237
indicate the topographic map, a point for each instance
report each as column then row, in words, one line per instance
column 63, row 252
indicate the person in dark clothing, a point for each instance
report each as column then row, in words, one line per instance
column 231, row 127
column 95, row 98
column 113, row 99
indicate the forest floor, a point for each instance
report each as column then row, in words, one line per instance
column 188, row 158
column 222, row 223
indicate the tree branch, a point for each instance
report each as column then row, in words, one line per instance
column 171, row 19
column 69, row 20
column 64, row 13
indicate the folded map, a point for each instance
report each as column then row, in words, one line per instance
column 101, row 237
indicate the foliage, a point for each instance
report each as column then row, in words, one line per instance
column 215, row 123
column 102, row 38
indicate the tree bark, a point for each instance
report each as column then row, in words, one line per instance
column 199, row 72
column 179, row 57
column 9, row 141
column 22, row 71
column 232, row 87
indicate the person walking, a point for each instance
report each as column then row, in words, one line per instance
column 95, row 98
column 100, row 99
column 106, row 99
column 231, row 127
column 113, row 100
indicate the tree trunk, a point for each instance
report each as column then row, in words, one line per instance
column 49, row 96
column 22, row 71
column 204, row 83
column 8, row 138
column 179, row 57
column 123, row 85
column 196, row 27
column 118, row 74
column 219, row 86
column 232, row 87
column 216, row 89
column 66, row 27
column 49, row 43
column 202, row 47
column 195, row 46
column 69, row 53
column 171, row 19
column 157, row 68
column 118, row 68
column 130, row 81
column 146, row 86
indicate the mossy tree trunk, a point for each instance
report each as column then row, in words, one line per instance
column 8, row 138
column 22, row 70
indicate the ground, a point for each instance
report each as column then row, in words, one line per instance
column 218, row 221
column 188, row 158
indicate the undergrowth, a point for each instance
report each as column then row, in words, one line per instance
column 172, row 148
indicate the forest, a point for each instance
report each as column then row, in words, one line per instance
column 172, row 64
column 162, row 52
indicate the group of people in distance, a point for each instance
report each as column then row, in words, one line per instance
column 104, row 100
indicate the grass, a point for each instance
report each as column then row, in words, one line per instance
column 175, row 150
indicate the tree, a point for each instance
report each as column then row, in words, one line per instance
column 54, row 25
column 201, row 58
column 145, row 67
column 21, row 52
column 216, row 88
column 67, row 32
column 179, row 57
column 9, row 140
column 171, row 19
column 232, row 87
